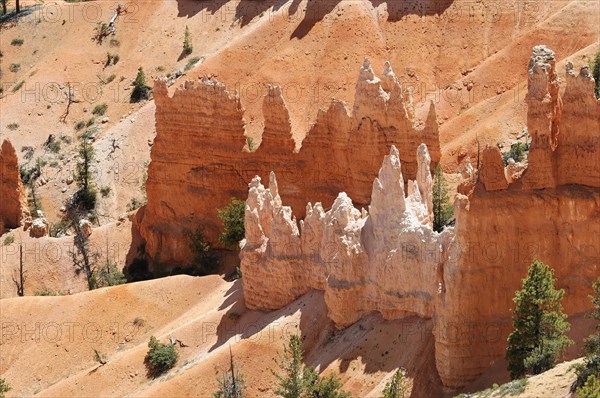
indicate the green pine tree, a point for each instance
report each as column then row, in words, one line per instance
column 442, row 209
column 539, row 324
column 596, row 73
column 328, row 387
column 398, row 386
column 188, row 47
column 86, row 196
column 591, row 388
column 141, row 90
column 295, row 378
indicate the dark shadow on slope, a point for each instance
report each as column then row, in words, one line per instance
column 315, row 12
column 247, row 10
column 189, row 8
column 399, row 9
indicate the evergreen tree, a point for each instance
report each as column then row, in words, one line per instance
column 86, row 196
column 397, row 387
column 141, row 90
column 231, row 385
column 591, row 348
column 188, row 47
column 442, row 209
column 539, row 324
column 596, row 73
column 299, row 381
column 4, row 388
column 232, row 217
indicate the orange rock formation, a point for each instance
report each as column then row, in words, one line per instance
column 201, row 157
column 13, row 205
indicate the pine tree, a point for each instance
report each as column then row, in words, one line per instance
column 141, row 90
column 231, row 385
column 442, row 209
column 232, row 217
column 86, row 196
column 539, row 324
column 188, row 47
column 299, row 381
column 596, row 73
column 397, row 387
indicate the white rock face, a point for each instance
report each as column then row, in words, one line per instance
column 386, row 259
column 39, row 228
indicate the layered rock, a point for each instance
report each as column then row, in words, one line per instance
column 364, row 261
column 201, row 157
column 389, row 260
column 13, row 206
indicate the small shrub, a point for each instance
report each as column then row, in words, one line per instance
column 100, row 109
column 12, row 126
column 18, row 86
column 48, row 292
column 232, row 217
column 591, row 388
column 111, row 78
column 60, row 228
column 141, row 90
column 4, row 388
column 52, row 144
column 139, row 322
column 17, row 42
column 105, row 191
column 517, row 152
column 397, row 387
column 193, row 61
column 596, row 73
column 9, row 240
column 250, row 142
column 114, row 43
column 160, row 357
column 188, row 47
column 90, row 122
column 204, row 260
column 14, row 68
column 28, row 151
column 79, row 125
column 134, row 204
column 108, row 275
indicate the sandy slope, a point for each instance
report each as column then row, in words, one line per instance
column 47, row 343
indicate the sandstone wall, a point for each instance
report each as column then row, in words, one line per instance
column 201, row 158
column 13, row 202
column 389, row 260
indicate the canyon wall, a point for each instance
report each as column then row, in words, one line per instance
column 390, row 260
column 201, row 157
column 13, row 203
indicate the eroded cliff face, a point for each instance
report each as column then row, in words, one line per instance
column 364, row 260
column 13, row 205
column 201, row 157
column 389, row 259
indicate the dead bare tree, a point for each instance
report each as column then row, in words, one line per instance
column 19, row 279
column 70, row 100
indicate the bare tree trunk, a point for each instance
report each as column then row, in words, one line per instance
column 21, row 276
column 18, row 6
column 3, row 7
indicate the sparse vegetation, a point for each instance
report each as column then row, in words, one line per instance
column 18, row 86
column 141, row 90
column 52, row 144
column 193, row 61
column 231, row 384
column 442, row 209
column 591, row 348
column 160, row 357
column 299, row 381
column 204, row 261
column 250, row 143
column 4, row 388
column 105, row 191
column 134, row 204
column 59, row 229
column 539, row 325
column 232, row 217
column 12, row 126
column 517, row 152
column 90, row 122
column 14, row 68
column 86, row 196
column 114, row 43
column 79, row 125
column 510, row 389
column 111, row 78
column 591, row 388
column 107, row 275
column 596, row 73
column 188, row 47
column 17, row 42
column 100, row 109
column 9, row 239
column 48, row 292
column 398, row 386
column 101, row 32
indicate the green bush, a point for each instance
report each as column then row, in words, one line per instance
column 141, row 90
column 100, row 109
column 398, row 386
column 596, row 73
column 591, row 388
column 160, row 357
column 17, row 42
column 59, row 228
column 232, row 217
column 188, row 47
column 48, row 292
column 18, row 86
column 442, row 209
column 52, row 144
column 9, row 240
column 14, row 68
column 193, row 61
column 517, row 152
column 79, row 125
column 108, row 275
column 4, row 388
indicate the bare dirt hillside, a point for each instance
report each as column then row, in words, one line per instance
column 48, row 344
